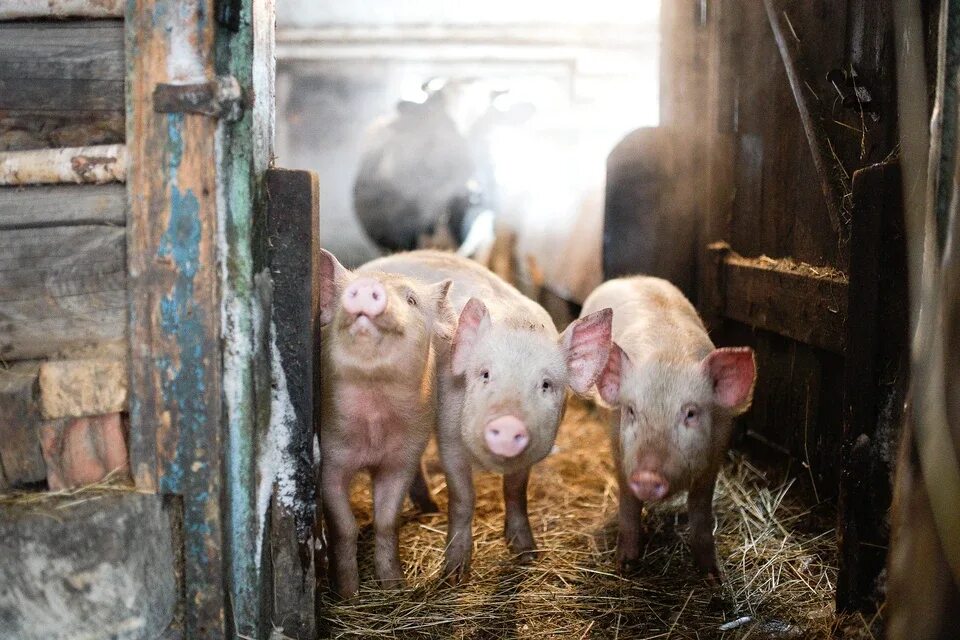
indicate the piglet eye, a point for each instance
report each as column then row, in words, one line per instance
column 690, row 413
column 630, row 412
column 411, row 300
column 546, row 386
column 485, row 374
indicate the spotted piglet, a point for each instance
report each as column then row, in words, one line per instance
column 381, row 337
column 676, row 396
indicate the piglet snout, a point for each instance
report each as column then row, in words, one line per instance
column 648, row 486
column 365, row 296
column 506, row 436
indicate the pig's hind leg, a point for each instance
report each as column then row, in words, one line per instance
column 700, row 516
column 420, row 493
column 389, row 486
column 342, row 528
column 517, row 522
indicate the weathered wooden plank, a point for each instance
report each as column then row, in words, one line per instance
column 292, row 228
column 23, row 9
column 876, row 371
column 67, row 205
column 805, row 303
column 176, row 376
column 94, row 165
column 60, row 288
column 61, row 84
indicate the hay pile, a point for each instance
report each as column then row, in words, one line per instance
column 779, row 563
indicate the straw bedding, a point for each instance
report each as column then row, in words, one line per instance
column 778, row 558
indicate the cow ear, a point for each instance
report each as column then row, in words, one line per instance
column 611, row 377
column 333, row 278
column 733, row 371
column 587, row 345
column 474, row 322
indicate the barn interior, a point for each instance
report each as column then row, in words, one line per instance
column 168, row 171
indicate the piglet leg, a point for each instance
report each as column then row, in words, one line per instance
column 420, row 493
column 389, row 487
column 341, row 530
column 517, row 527
column 628, row 536
column 462, row 499
column 700, row 515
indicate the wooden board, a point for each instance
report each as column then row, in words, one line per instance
column 61, row 288
column 61, row 83
column 62, row 205
column 292, row 256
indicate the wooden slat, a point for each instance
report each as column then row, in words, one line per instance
column 23, row 9
column 61, row 84
column 67, row 205
column 93, row 165
column 292, row 253
column 176, row 378
column 61, row 288
column 797, row 301
column 20, row 420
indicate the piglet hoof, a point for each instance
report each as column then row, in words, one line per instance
column 522, row 545
column 345, row 593
column 392, row 583
column 455, row 573
column 628, row 558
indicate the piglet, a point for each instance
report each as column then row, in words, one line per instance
column 676, row 396
column 381, row 337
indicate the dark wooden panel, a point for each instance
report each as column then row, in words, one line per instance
column 61, row 83
column 61, row 288
column 62, row 205
column 794, row 300
column 875, row 382
column 20, row 420
column 292, row 228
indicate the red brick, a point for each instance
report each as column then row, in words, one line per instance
column 81, row 451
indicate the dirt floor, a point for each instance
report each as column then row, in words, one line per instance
column 778, row 558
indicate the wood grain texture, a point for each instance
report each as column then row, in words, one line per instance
column 99, row 164
column 22, row 9
column 176, row 377
column 20, row 421
column 67, row 205
column 61, row 83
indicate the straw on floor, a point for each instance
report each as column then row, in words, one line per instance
column 778, row 560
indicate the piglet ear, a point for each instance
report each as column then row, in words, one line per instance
column 333, row 277
column 612, row 375
column 474, row 321
column 733, row 371
column 587, row 345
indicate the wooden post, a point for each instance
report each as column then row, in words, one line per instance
column 292, row 257
column 175, row 369
column 876, row 370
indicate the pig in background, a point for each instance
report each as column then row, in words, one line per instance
column 502, row 390
column 382, row 337
column 676, row 396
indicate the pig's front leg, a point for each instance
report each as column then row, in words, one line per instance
column 420, row 493
column 462, row 498
column 630, row 527
column 700, row 516
column 389, row 487
column 341, row 528
column 517, row 525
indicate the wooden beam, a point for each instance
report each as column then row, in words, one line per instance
column 97, row 165
column 67, row 205
column 44, row 9
column 61, row 84
column 176, row 414
column 292, row 228
column 60, row 288
column 799, row 301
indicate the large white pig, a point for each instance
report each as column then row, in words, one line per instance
column 502, row 392
column 676, row 397
column 382, row 336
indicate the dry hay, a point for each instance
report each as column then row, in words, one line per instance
column 114, row 482
column 779, row 563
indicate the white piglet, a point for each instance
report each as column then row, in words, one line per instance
column 676, row 396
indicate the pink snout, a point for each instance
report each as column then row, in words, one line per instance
column 649, row 486
column 506, row 436
column 365, row 296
